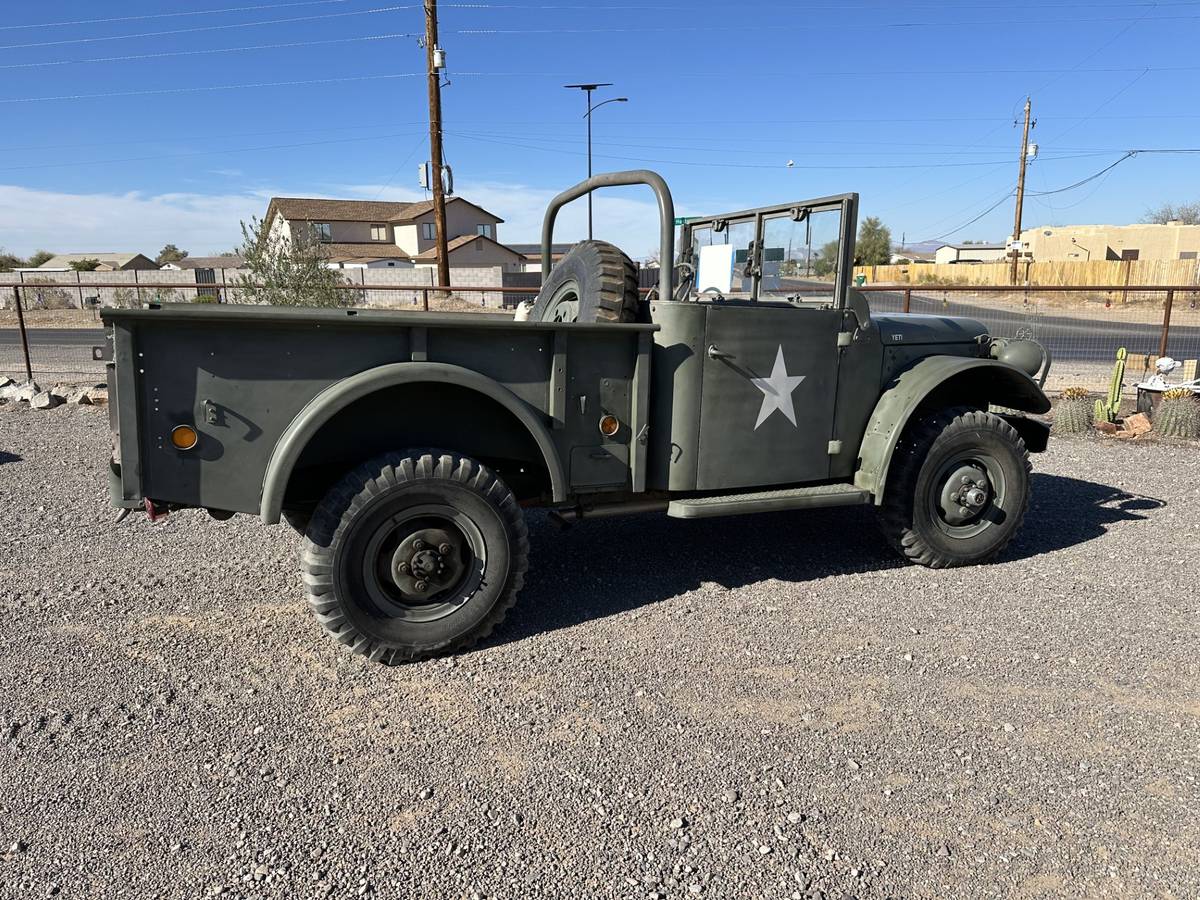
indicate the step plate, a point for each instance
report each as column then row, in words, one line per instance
column 768, row 501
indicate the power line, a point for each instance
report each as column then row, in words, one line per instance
column 170, row 15
column 121, row 37
column 168, row 53
column 215, row 151
column 1070, row 187
column 212, row 87
column 942, row 237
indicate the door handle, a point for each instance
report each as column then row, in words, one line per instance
column 715, row 353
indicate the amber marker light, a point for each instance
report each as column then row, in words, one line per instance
column 184, row 437
column 609, row 425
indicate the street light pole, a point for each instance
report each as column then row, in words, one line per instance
column 587, row 89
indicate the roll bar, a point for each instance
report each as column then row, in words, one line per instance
column 666, row 218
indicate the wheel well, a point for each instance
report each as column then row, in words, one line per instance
column 419, row 416
column 981, row 387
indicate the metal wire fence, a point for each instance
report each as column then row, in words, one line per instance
column 1082, row 327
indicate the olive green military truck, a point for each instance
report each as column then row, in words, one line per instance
column 406, row 446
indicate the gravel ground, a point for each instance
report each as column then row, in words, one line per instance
column 761, row 707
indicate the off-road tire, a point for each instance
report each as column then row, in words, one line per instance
column 930, row 447
column 342, row 577
column 594, row 282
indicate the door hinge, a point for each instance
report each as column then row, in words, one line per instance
column 835, row 447
column 844, row 338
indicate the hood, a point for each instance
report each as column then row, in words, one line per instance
column 911, row 328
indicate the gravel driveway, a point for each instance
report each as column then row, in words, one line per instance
column 763, row 707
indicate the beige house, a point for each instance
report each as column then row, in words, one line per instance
column 1112, row 242
column 109, row 262
column 475, row 251
column 381, row 234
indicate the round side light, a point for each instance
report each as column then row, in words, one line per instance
column 609, row 425
column 184, row 437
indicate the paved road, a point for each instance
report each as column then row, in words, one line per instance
column 58, row 337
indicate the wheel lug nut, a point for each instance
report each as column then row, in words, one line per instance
column 982, row 485
column 418, row 545
column 420, row 585
column 966, row 479
column 403, row 567
column 963, row 511
column 444, row 549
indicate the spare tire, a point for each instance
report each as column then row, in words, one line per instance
column 594, row 282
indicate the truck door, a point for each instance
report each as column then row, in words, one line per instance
column 770, row 372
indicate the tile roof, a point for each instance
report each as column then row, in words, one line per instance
column 108, row 259
column 307, row 209
column 462, row 241
column 535, row 250
column 369, row 250
column 210, row 262
column 414, row 211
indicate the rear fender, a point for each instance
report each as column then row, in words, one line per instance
column 345, row 392
column 938, row 381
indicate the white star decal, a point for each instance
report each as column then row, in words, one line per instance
column 777, row 391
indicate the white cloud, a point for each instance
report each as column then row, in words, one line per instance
column 204, row 223
column 65, row 223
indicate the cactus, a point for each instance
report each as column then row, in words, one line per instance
column 1107, row 409
column 1178, row 414
column 1073, row 414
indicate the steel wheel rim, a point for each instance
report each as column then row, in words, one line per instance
column 443, row 597
column 948, row 496
column 564, row 303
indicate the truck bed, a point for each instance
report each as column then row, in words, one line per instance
column 245, row 376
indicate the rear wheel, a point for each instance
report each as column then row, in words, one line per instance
column 958, row 489
column 594, row 282
column 411, row 556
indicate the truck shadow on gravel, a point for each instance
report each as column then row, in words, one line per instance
column 605, row 567
column 6, row 457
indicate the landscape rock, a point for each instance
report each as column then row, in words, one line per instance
column 45, row 400
column 78, row 396
column 27, row 391
column 1138, row 424
column 98, row 396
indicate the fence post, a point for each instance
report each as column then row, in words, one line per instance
column 425, row 299
column 1166, row 325
column 907, row 300
column 24, row 336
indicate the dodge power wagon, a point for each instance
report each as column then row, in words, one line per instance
column 407, row 446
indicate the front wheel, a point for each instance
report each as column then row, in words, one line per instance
column 408, row 557
column 958, row 489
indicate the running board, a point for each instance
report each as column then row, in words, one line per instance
column 768, row 501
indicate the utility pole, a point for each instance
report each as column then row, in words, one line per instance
column 1016, row 250
column 435, row 138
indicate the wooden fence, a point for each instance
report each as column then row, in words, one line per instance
column 998, row 274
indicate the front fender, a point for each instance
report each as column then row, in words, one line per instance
column 950, row 381
column 341, row 394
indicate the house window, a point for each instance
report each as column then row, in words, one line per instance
column 429, row 231
column 379, row 232
column 488, row 231
column 1129, row 255
column 322, row 231
column 1187, row 254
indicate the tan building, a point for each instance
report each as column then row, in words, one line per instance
column 379, row 234
column 1080, row 243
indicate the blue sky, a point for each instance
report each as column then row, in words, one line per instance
column 178, row 133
